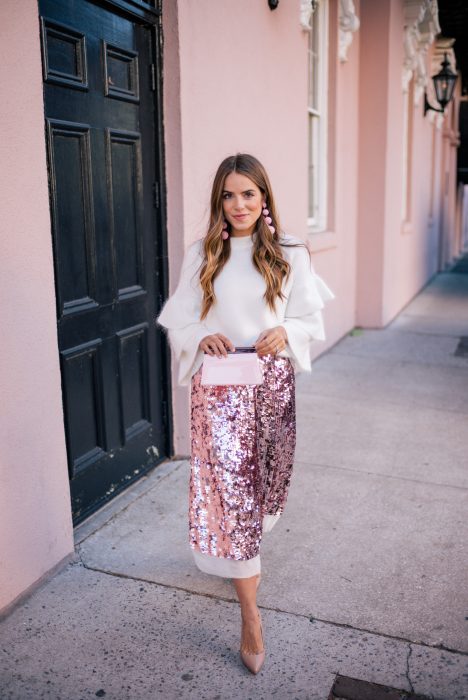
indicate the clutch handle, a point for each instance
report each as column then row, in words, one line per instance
column 244, row 348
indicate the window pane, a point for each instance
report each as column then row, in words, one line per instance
column 313, row 68
column 313, row 153
column 309, row 77
column 317, row 116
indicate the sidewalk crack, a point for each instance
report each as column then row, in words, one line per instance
column 407, row 672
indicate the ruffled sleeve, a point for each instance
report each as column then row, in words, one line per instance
column 180, row 315
column 303, row 315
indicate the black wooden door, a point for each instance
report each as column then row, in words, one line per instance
column 102, row 120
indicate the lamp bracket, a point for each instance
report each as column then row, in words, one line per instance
column 428, row 106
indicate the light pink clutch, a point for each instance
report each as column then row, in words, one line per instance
column 236, row 368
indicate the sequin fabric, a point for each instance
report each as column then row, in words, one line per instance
column 242, row 451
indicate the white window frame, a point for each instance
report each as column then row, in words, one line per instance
column 317, row 120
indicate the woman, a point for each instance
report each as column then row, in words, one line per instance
column 244, row 284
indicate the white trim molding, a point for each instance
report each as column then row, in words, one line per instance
column 349, row 23
column 421, row 27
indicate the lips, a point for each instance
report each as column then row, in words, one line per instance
column 240, row 216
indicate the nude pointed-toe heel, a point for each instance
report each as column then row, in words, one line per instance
column 254, row 662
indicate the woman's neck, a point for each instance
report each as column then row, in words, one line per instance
column 235, row 233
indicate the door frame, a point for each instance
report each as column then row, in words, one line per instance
column 151, row 18
column 150, row 13
column 161, row 218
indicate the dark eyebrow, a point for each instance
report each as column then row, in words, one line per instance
column 244, row 192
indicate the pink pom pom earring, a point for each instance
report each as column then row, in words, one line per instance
column 224, row 232
column 267, row 217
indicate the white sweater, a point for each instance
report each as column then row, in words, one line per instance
column 241, row 312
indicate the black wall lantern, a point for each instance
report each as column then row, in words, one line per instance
column 273, row 4
column 444, row 83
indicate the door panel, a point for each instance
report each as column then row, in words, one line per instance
column 107, row 242
column 126, row 210
column 72, row 206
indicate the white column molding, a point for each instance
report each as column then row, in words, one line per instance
column 421, row 27
column 348, row 23
column 307, row 9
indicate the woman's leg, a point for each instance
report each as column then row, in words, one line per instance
column 246, row 589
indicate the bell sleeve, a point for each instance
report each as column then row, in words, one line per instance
column 180, row 315
column 303, row 320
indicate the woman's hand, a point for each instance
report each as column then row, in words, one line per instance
column 271, row 341
column 216, row 344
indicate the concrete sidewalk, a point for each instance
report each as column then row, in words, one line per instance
column 365, row 575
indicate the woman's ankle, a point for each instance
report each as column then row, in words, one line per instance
column 250, row 614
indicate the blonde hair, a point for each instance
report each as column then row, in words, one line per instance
column 267, row 255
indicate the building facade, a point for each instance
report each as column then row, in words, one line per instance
column 115, row 117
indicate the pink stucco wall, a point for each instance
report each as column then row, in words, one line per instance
column 35, row 513
column 410, row 250
column 234, row 99
column 336, row 248
column 395, row 258
column 175, row 191
column 372, row 159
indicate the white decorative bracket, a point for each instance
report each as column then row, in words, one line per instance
column 421, row 28
column 349, row 23
column 307, row 9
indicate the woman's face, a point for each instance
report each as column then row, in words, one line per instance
column 242, row 204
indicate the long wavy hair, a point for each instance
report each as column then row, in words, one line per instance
column 267, row 255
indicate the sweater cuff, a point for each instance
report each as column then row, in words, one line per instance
column 185, row 342
column 301, row 332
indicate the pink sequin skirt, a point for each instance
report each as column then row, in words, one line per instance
column 242, row 451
